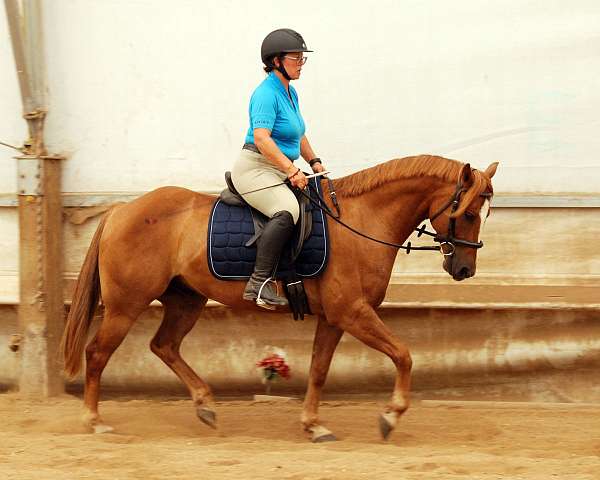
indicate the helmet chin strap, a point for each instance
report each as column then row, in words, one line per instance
column 282, row 69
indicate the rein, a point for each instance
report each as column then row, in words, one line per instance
column 449, row 239
column 321, row 205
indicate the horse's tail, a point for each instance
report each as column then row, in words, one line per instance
column 83, row 306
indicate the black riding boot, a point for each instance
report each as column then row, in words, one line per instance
column 277, row 232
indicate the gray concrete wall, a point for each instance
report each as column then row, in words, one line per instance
column 542, row 256
column 527, row 327
column 507, row 354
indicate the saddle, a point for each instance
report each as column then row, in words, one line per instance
column 303, row 229
column 234, row 227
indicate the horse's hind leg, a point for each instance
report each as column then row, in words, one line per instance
column 112, row 331
column 326, row 340
column 182, row 309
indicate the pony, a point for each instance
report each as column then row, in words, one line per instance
column 155, row 248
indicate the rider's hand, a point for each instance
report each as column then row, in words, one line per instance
column 298, row 179
column 318, row 167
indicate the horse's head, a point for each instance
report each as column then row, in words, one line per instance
column 458, row 214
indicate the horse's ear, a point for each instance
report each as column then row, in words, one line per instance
column 491, row 170
column 465, row 177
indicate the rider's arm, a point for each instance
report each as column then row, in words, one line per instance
column 308, row 154
column 269, row 149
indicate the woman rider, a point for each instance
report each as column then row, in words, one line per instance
column 274, row 140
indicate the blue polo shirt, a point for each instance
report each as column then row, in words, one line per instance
column 271, row 107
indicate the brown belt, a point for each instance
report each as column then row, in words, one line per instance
column 251, row 147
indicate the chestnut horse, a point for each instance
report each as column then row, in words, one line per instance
column 154, row 248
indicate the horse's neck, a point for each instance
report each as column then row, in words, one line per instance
column 401, row 205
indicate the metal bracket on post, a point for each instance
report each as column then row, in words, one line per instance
column 29, row 173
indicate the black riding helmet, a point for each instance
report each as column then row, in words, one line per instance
column 278, row 42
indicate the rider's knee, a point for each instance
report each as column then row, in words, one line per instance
column 294, row 211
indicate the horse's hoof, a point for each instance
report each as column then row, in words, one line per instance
column 330, row 437
column 94, row 424
column 385, row 426
column 320, row 435
column 102, row 428
column 207, row 416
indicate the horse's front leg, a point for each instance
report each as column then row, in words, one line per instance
column 362, row 322
column 326, row 340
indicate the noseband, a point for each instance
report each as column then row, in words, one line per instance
column 450, row 239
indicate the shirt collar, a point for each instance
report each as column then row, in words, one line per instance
column 274, row 80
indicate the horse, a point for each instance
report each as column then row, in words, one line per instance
column 155, row 248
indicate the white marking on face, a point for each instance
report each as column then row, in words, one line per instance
column 483, row 214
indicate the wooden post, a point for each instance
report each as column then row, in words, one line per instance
column 52, row 215
column 41, row 307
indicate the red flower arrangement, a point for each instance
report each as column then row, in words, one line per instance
column 273, row 366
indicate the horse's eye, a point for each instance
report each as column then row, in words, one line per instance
column 470, row 216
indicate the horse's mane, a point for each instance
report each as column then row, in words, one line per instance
column 410, row 167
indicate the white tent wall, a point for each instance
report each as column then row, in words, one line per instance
column 13, row 130
column 146, row 93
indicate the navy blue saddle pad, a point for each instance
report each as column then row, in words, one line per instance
column 230, row 227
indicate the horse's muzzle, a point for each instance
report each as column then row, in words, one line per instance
column 456, row 269
column 462, row 274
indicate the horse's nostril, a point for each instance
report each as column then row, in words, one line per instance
column 463, row 272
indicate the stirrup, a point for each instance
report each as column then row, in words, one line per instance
column 259, row 301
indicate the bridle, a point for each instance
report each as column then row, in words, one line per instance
column 450, row 239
